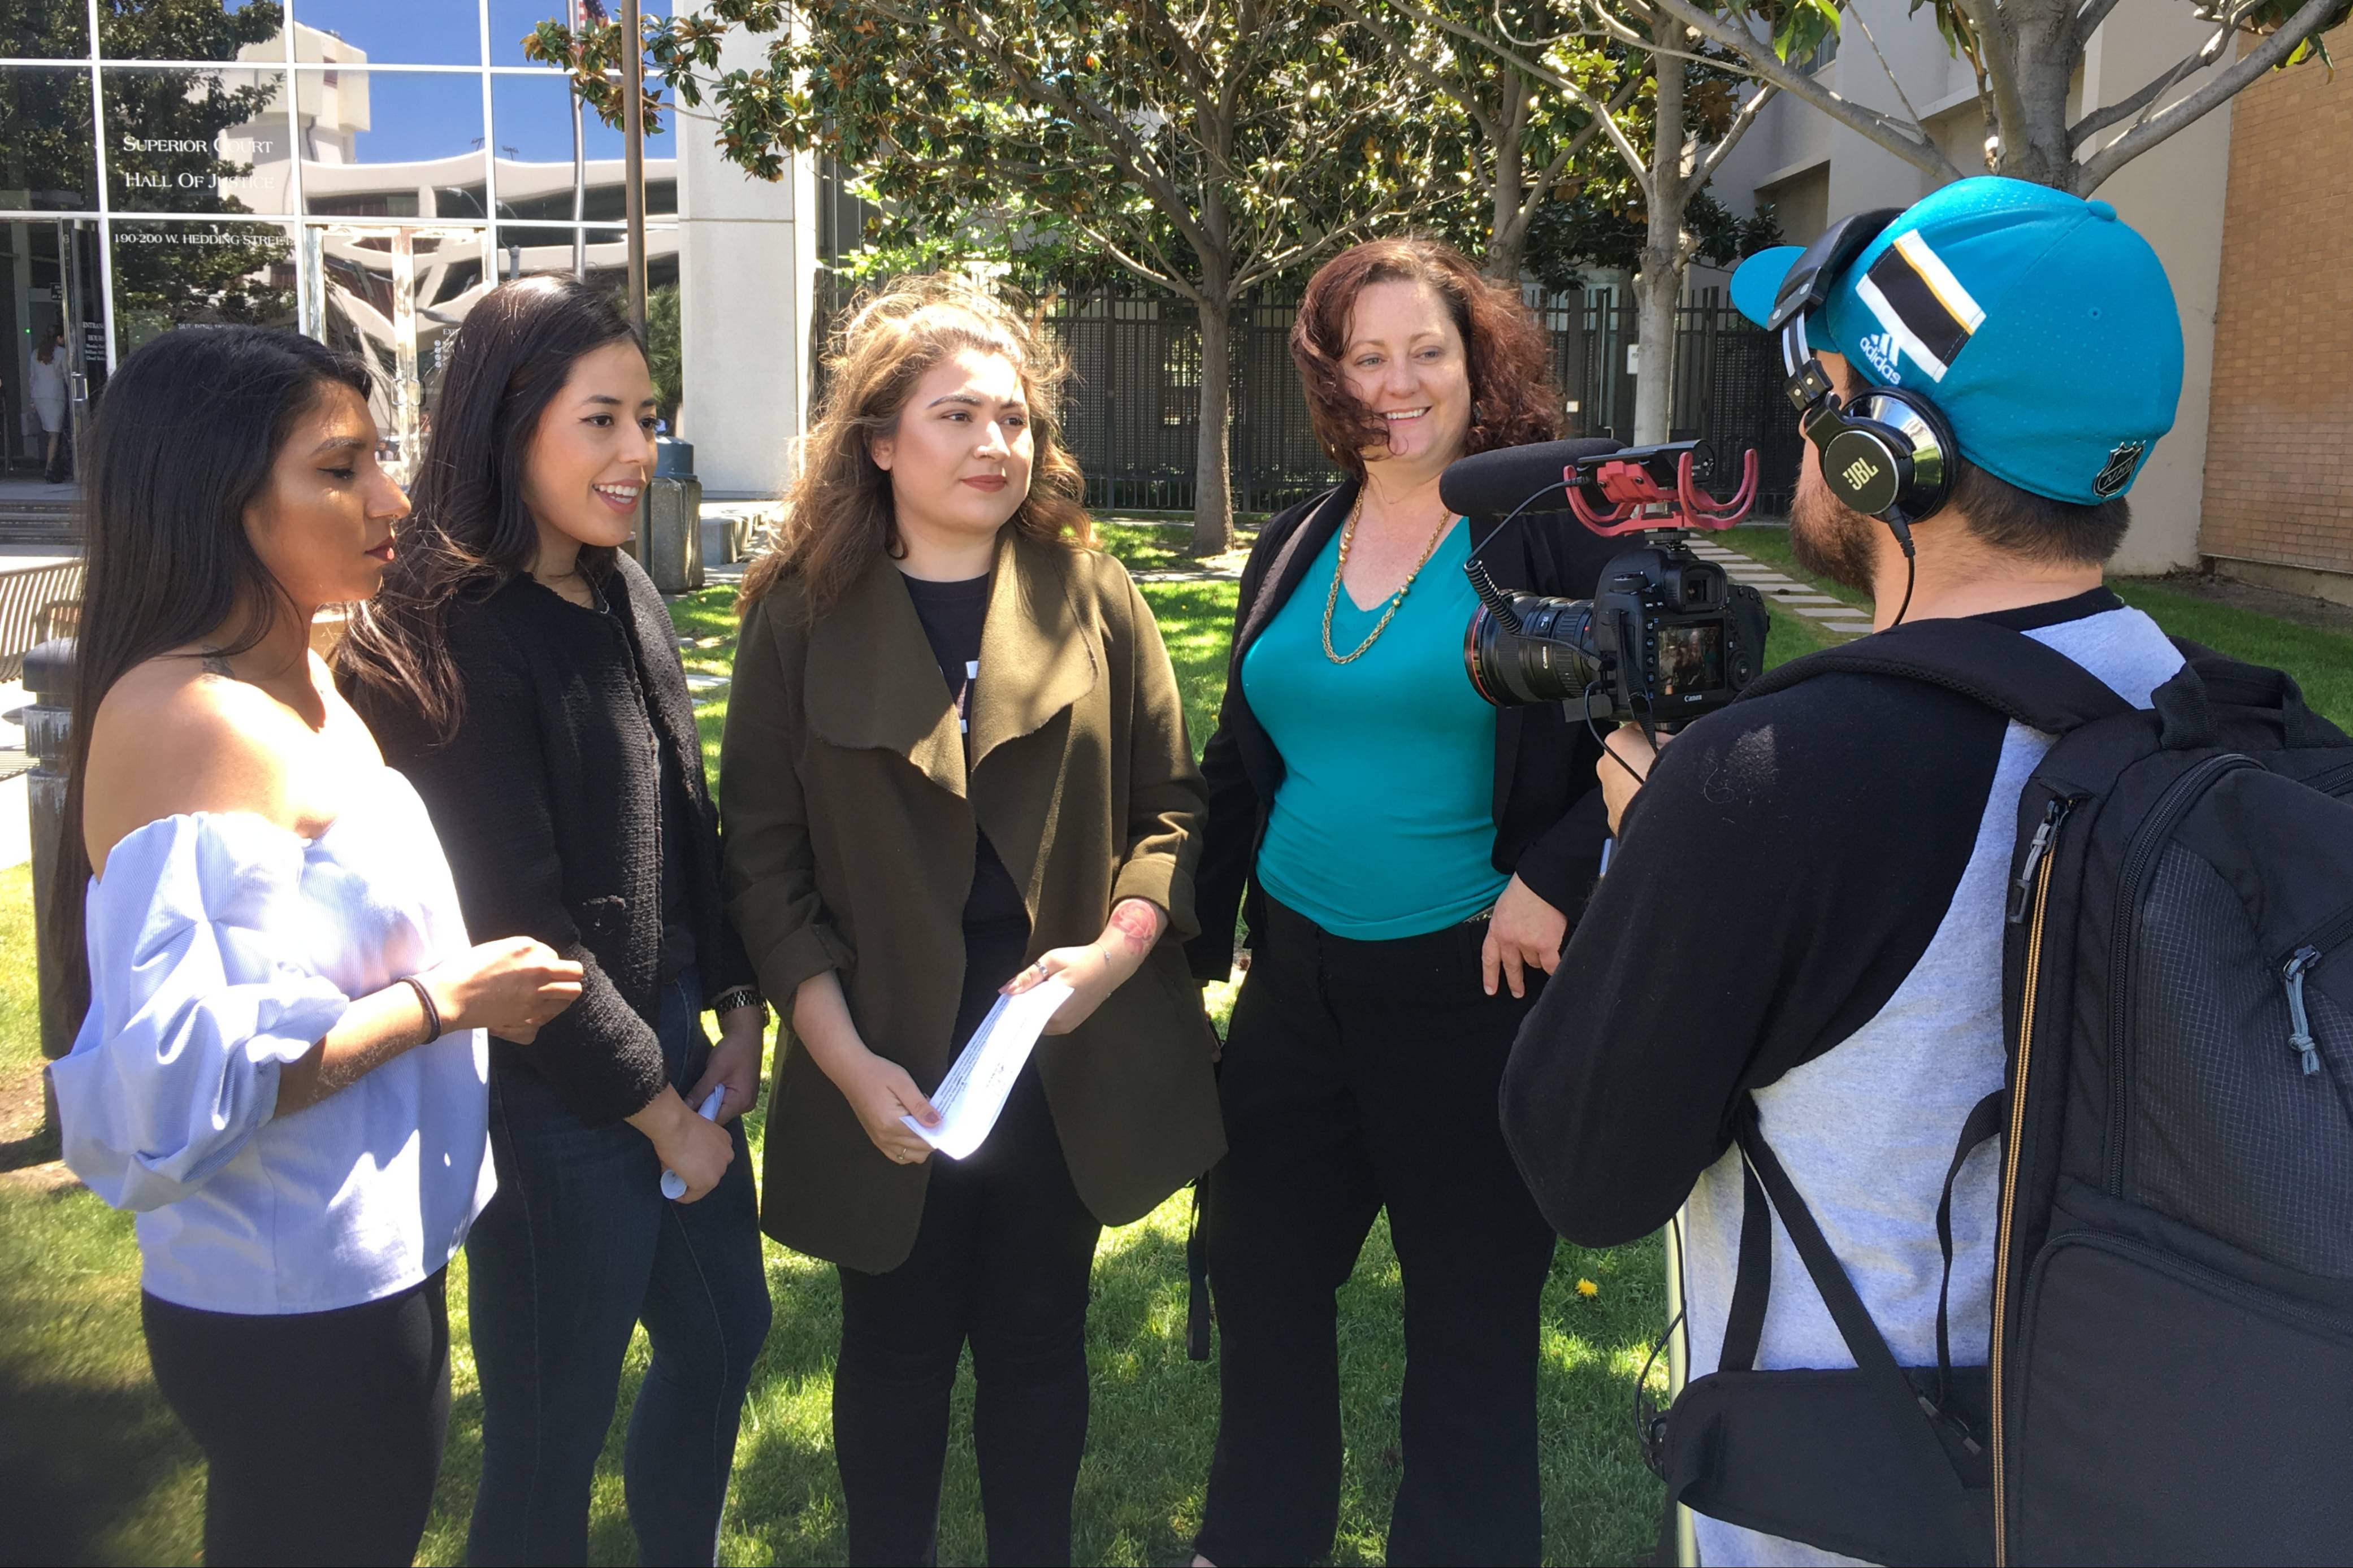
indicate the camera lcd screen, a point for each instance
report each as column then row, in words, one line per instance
column 1690, row 657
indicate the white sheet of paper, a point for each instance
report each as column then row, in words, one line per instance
column 971, row 1096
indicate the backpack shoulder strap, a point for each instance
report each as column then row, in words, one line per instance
column 2008, row 671
column 1917, row 1429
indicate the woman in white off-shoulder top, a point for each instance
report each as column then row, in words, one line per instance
column 281, row 1066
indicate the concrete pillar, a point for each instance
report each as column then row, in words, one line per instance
column 747, row 268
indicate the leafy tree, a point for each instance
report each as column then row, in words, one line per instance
column 1206, row 154
column 1679, row 84
column 662, row 345
column 1523, row 148
column 1568, row 238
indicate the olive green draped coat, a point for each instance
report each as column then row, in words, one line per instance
column 850, row 814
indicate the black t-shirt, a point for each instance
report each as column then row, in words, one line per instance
column 1728, row 947
column 952, row 614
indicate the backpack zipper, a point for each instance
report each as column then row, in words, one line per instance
column 2299, row 1025
column 2141, row 858
column 2038, row 865
column 2293, row 969
column 2328, row 782
column 2022, row 887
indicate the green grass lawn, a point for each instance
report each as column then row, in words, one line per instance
column 2321, row 660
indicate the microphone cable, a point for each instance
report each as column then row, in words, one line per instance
column 1474, row 568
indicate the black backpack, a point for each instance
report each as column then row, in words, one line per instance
column 2173, row 1362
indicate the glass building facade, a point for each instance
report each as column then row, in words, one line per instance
column 362, row 170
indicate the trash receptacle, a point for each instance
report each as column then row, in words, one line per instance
column 673, row 553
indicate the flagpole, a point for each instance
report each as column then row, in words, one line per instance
column 633, row 131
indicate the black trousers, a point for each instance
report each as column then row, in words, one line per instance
column 1359, row 1075
column 1003, row 1259
column 322, row 1431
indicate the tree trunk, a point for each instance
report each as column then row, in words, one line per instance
column 1657, row 291
column 1213, row 494
column 1507, row 235
column 1659, row 287
column 2033, row 115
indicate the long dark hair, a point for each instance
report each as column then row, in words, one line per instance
column 183, row 442
column 470, row 533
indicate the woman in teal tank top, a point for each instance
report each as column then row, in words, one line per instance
column 1413, row 858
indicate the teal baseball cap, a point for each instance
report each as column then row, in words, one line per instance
column 2039, row 324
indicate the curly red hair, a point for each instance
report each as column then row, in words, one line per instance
column 1512, row 400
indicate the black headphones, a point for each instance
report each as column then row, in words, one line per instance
column 1888, row 453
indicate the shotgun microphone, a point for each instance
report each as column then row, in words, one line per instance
column 1510, row 480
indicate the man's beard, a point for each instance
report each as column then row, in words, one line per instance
column 1830, row 540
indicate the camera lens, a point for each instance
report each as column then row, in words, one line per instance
column 1551, row 659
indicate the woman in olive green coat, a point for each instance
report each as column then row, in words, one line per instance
column 955, row 767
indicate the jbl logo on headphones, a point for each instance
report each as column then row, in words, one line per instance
column 1859, row 473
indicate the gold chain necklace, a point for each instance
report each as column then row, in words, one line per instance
column 1332, row 600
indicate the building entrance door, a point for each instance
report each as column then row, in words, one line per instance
column 82, row 325
column 393, row 294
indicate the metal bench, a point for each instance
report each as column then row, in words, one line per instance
column 36, row 603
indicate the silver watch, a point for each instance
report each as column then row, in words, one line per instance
column 739, row 996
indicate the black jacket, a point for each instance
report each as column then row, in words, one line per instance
column 1549, row 824
column 548, row 804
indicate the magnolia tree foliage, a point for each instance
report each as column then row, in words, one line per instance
column 1668, row 110
column 1205, row 153
column 1520, row 150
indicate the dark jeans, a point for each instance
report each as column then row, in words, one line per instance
column 1358, row 1075
column 578, row 1248
column 322, row 1431
column 1003, row 1259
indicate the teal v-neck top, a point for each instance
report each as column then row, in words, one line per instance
column 1383, row 824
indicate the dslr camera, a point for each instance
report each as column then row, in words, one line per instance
column 1667, row 637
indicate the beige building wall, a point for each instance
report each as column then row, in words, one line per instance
column 2278, row 506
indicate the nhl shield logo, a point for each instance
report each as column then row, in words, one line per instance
column 2112, row 480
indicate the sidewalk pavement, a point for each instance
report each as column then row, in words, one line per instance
column 1784, row 593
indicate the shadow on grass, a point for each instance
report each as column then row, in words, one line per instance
column 65, row 1498
column 98, row 1470
column 36, row 1148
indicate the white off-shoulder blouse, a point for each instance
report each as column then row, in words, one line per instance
column 222, row 946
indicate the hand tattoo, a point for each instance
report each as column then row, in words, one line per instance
column 1136, row 924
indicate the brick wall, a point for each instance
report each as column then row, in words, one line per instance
column 2281, row 419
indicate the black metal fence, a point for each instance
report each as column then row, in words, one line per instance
column 1132, row 413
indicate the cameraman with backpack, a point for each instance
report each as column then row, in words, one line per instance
column 1806, row 907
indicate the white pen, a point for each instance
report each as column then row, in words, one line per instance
column 673, row 1185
